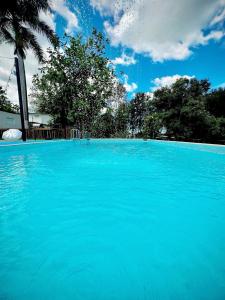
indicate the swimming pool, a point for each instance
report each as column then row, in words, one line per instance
column 112, row 219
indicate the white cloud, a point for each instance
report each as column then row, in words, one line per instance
column 124, row 60
column 130, row 87
column 162, row 29
column 60, row 7
column 107, row 7
column 213, row 35
column 167, row 81
column 149, row 94
column 220, row 17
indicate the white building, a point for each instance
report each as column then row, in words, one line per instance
column 10, row 120
column 37, row 119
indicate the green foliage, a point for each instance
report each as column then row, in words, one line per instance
column 75, row 82
column 217, row 130
column 187, row 109
column 122, row 119
column 215, row 102
column 104, row 125
column 6, row 105
column 138, row 110
column 152, row 125
column 3, row 96
column 182, row 108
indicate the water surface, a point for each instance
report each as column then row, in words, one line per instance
column 112, row 220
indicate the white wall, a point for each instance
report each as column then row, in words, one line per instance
column 39, row 118
column 9, row 120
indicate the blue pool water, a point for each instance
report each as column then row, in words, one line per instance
column 112, row 220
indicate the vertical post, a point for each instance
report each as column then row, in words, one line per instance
column 20, row 100
column 23, row 85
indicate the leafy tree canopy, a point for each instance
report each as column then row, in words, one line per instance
column 75, row 81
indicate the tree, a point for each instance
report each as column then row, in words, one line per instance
column 118, row 95
column 3, row 96
column 51, row 90
column 104, row 125
column 6, row 105
column 195, row 120
column 75, row 82
column 138, row 110
column 122, row 119
column 215, row 102
column 182, row 108
column 18, row 21
column 152, row 125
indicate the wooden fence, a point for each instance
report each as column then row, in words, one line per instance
column 45, row 133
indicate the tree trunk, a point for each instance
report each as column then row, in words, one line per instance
column 63, row 121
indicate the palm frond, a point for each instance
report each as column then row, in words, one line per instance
column 7, row 36
column 28, row 9
column 26, row 40
column 17, row 20
column 43, row 28
column 34, row 45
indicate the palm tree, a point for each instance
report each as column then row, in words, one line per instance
column 19, row 19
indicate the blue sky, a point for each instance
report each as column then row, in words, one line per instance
column 153, row 42
column 203, row 56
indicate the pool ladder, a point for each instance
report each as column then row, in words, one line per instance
column 75, row 134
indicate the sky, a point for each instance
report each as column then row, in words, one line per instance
column 153, row 42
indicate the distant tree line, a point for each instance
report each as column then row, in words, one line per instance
column 188, row 110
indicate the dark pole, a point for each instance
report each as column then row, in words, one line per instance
column 24, row 138
column 25, row 82
column 23, row 89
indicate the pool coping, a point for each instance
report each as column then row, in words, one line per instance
column 31, row 143
column 194, row 143
column 105, row 139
